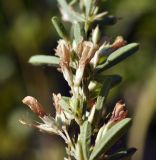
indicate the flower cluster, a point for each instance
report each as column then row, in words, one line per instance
column 120, row 112
column 82, row 57
column 88, row 55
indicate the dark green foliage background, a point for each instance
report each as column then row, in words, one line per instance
column 25, row 30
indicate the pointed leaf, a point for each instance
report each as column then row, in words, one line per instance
column 118, row 56
column 78, row 151
column 78, row 32
column 85, row 138
column 110, row 138
column 108, row 82
column 74, row 16
column 44, row 59
column 108, row 20
column 60, row 28
column 116, row 79
column 88, row 6
column 122, row 154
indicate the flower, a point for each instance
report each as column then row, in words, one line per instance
column 85, row 51
column 34, row 105
column 119, row 42
column 63, row 51
column 62, row 117
column 49, row 125
column 120, row 112
column 106, row 49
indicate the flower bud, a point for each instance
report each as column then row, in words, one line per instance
column 63, row 51
column 96, row 35
column 34, row 105
column 120, row 112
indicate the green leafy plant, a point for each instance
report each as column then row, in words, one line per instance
column 82, row 56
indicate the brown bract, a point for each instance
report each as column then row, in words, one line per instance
column 119, row 42
column 120, row 112
column 34, row 105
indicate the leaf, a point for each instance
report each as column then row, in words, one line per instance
column 64, row 103
column 60, row 28
column 78, row 151
column 108, row 83
column 108, row 20
column 44, row 59
column 78, row 33
column 103, row 94
column 74, row 16
column 85, row 138
column 121, row 154
column 117, row 56
column 115, row 79
column 88, row 6
column 110, row 138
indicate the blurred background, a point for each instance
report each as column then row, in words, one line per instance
column 26, row 29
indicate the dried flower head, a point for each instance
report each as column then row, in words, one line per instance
column 119, row 42
column 63, row 50
column 34, row 105
column 120, row 112
column 85, row 52
column 107, row 48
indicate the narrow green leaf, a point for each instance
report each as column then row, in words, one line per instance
column 85, row 138
column 88, row 6
column 123, row 52
column 121, row 154
column 44, row 59
column 118, row 56
column 103, row 95
column 108, row 82
column 115, row 79
column 110, row 138
column 78, row 151
column 78, row 32
column 65, row 105
column 108, row 20
column 74, row 16
column 60, row 28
